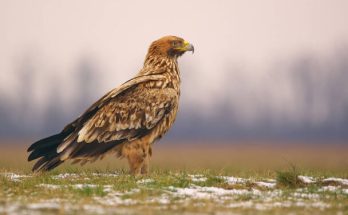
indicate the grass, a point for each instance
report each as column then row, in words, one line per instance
column 157, row 184
column 162, row 191
column 290, row 178
column 198, row 183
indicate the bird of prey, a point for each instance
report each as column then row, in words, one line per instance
column 125, row 121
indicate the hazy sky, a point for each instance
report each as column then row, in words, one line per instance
column 115, row 35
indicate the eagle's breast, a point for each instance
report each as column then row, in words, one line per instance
column 170, row 88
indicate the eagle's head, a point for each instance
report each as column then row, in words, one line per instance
column 170, row 46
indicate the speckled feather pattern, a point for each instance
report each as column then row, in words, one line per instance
column 147, row 106
column 126, row 121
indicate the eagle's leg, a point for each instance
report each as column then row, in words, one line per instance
column 137, row 154
column 146, row 165
column 135, row 163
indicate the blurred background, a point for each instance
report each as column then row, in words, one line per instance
column 262, row 70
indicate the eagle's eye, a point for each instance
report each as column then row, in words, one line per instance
column 176, row 43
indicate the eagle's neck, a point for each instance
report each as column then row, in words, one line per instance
column 167, row 67
column 155, row 64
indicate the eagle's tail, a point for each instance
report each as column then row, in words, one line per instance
column 46, row 150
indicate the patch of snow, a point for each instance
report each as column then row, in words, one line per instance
column 321, row 205
column 271, row 195
column 164, row 199
column 94, row 209
column 43, row 205
column 50, row 186
column 145, row 181
column 132, row 191
column 74, row 175
column 197, row 192
column 337, row 180
column 306, row 195
column 271, row 205
column 306, row 179
column 116, row 198
column 39, row 208
column 247, row 204
column 82, row 186
column 75, row 186
column 262, row 206
column 14, row 177
column 333, row 189
column 234, row 180
column 266, row 184
column 198, row 178
column 106, row 174
column 106, row 188
column 65, row 175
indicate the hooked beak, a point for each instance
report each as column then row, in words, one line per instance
column 189, row 47
column 186, row 46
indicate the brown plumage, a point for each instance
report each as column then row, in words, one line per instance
column 127, row 120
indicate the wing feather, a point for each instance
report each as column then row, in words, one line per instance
column 125, row 113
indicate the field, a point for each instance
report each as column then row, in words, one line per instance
column 249, row 177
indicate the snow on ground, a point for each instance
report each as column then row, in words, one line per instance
column 298, row 195
column 266, row 184
column 255, row 197
column 65, row 176
column 306, row 179
column 106, row 174
column 50, row 186
column 43, row 205
column 82, row 186
column 337, row 180
column 116, row 198
column 18, row 177
column 106, row 188
column 51, row 207
column 234, row 180
column 145, row 181
column 334, row 189
column 14, row 177
column 271, row 205
column 77, row 176
column 197, row 192
column 198, row 178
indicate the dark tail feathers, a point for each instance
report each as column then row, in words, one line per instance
column 46, row 150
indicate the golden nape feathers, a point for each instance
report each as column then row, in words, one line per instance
column 127, row 120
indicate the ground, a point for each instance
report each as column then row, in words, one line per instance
column 243, row 178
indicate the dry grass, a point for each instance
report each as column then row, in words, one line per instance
column 243, row 158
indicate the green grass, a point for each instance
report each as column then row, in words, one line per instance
column 289, row 178
column 159, row 191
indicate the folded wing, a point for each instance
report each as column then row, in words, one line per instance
column 125, row 113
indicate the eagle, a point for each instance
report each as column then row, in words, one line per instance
column 127, row 120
